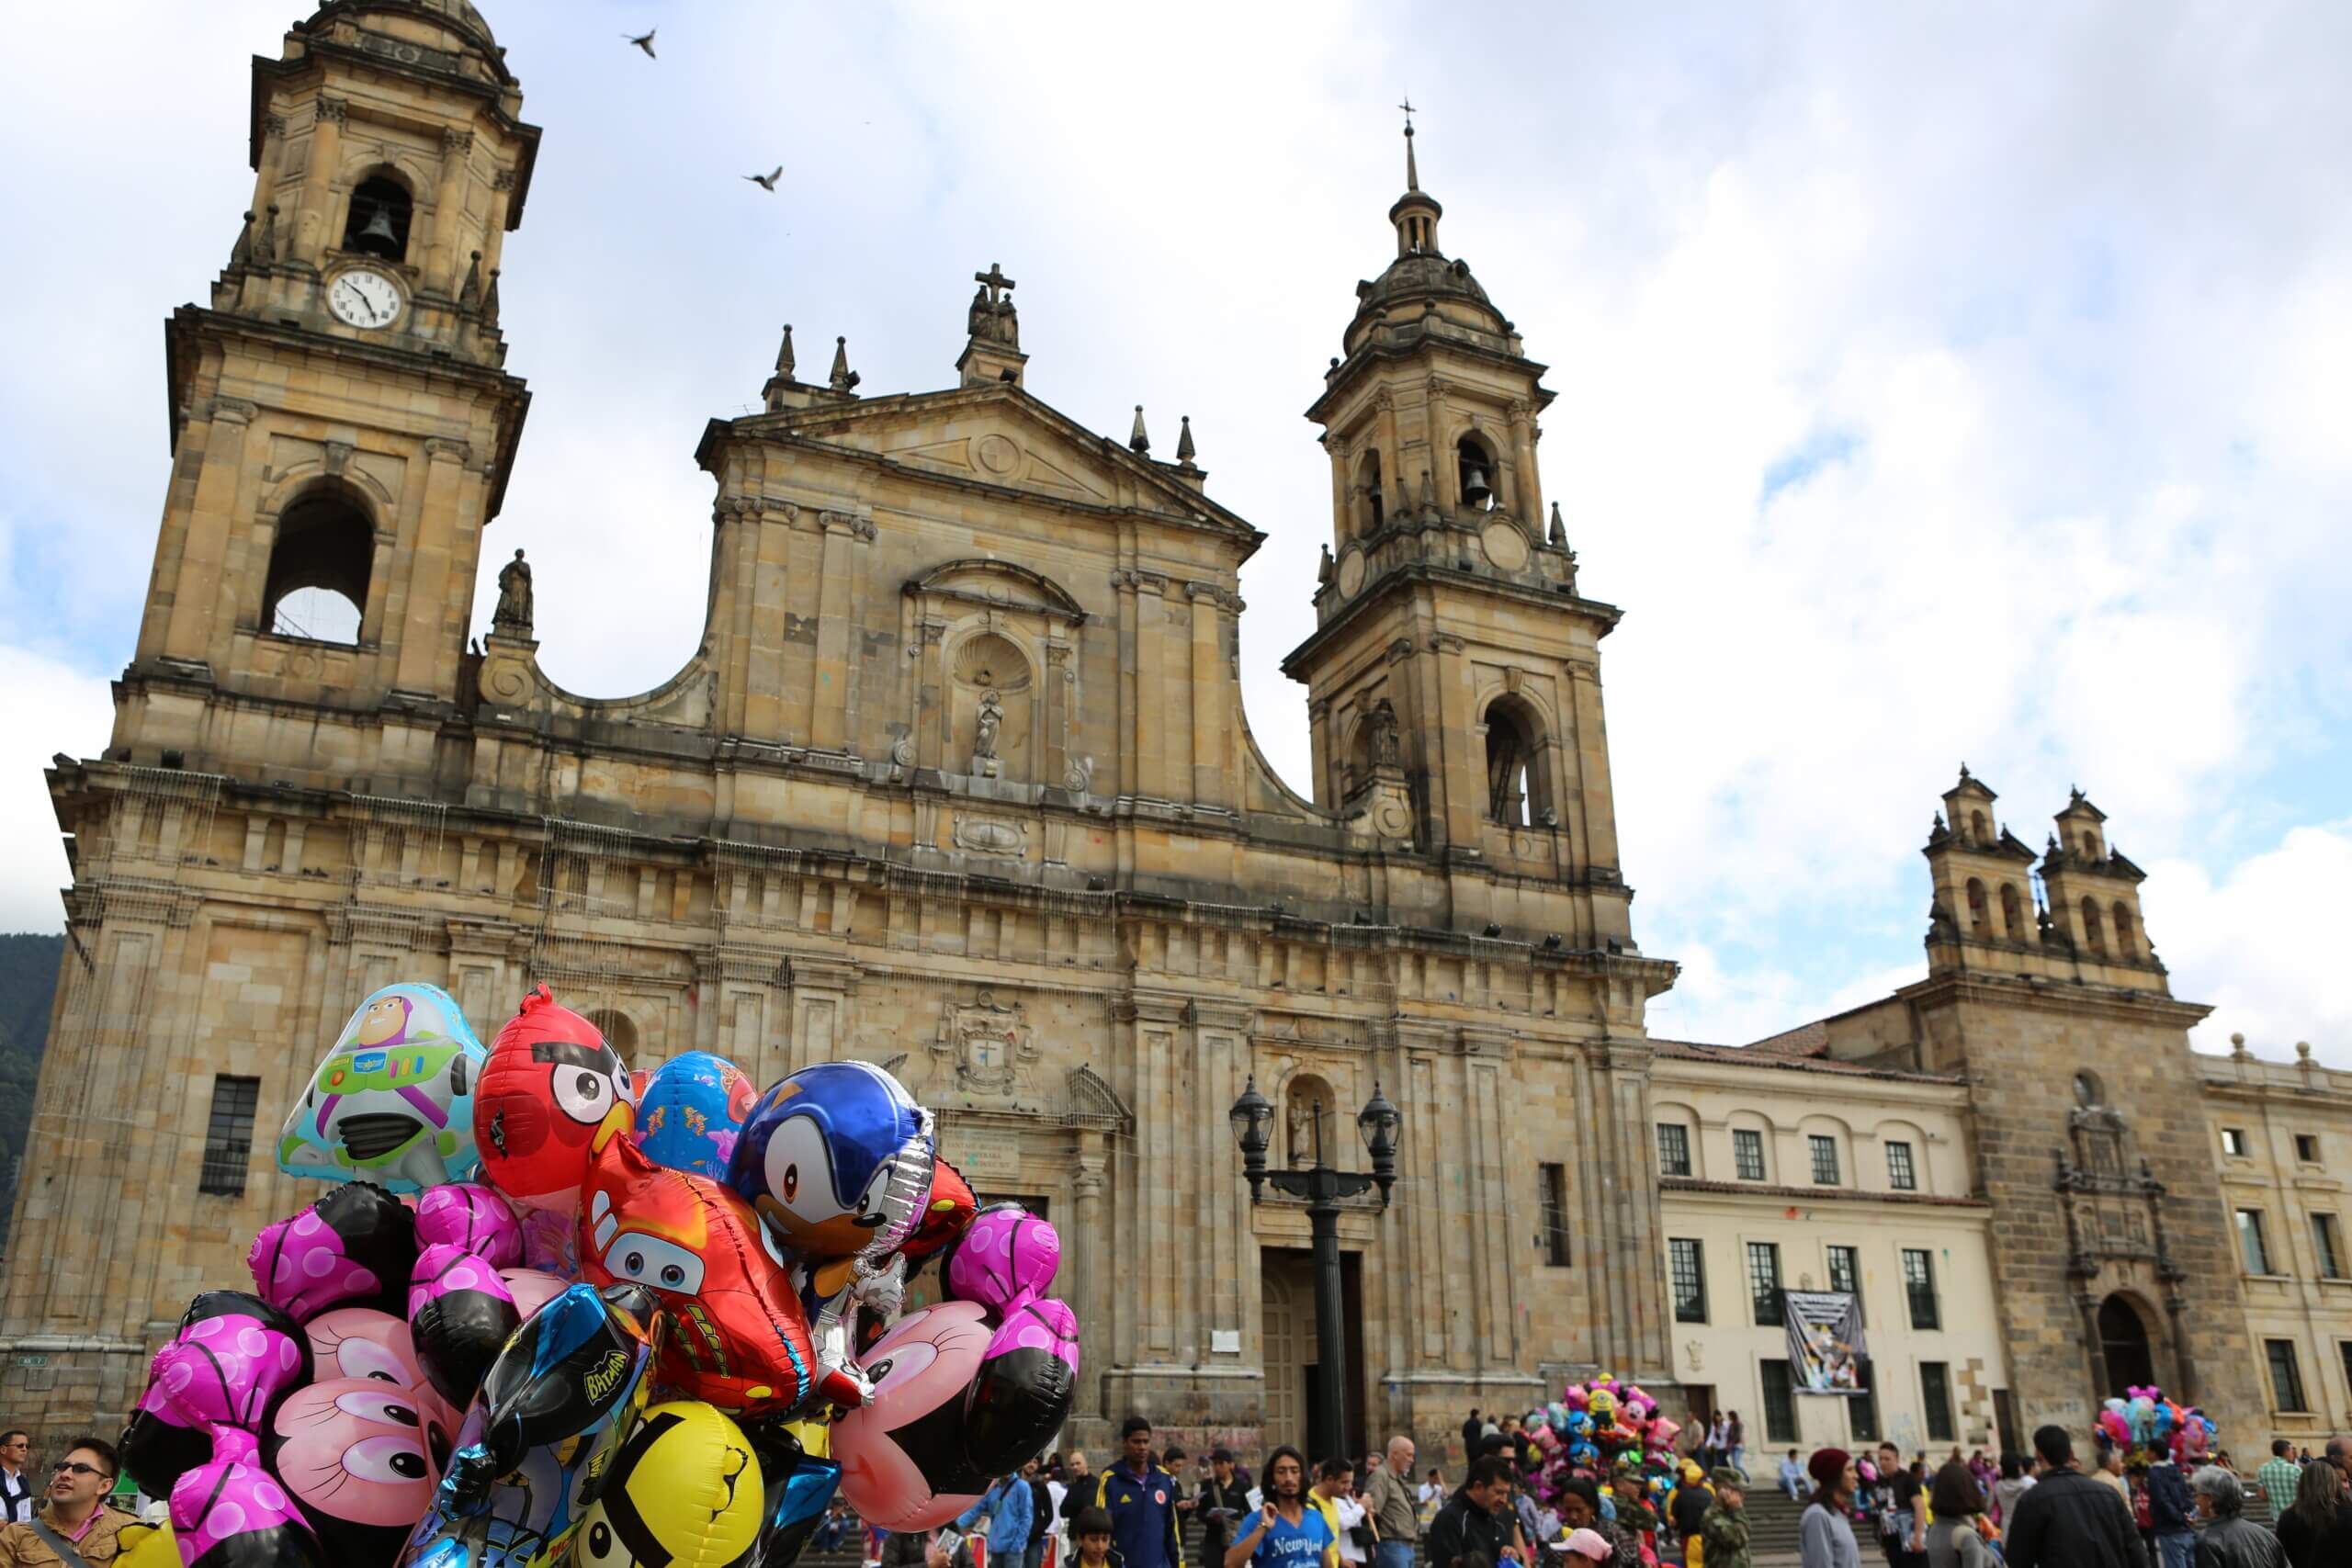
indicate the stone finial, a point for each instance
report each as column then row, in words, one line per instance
column 469, row 294
column 1324, row 570
column 489, row 303
column 244, row 249
column 1184, row 448
column 2237, row 1044
column 1428, row 498
column 1559, row 533
column 266, row 243
column 2303, row 1050
column 784, row 360
column 1137, row 439
column 842, row 378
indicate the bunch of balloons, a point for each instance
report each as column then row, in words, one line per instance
column 2148, row 1426
column 1609, row 1433
column 555, row 1309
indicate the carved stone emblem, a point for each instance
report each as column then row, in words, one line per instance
column 987, row 1044
column 992, row 835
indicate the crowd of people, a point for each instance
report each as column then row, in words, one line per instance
column 2119, row 1509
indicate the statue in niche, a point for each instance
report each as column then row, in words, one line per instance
column 1299, row 1131
column 1383, row 734
column 514, row 613
column 984, row 729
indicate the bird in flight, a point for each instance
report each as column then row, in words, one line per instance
column 645, row 41
column 767, row 182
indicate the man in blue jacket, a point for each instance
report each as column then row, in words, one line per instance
column 1008, row 1507
column 1140, row 1497
column 2171, row 1511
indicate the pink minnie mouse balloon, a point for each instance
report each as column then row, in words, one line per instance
column 232, row 1360
column 351, row 1453
column 904, row 1461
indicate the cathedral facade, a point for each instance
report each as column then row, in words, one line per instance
column 959, row 782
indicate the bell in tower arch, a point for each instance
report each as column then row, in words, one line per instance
column 379, row 222
column 1477, row 487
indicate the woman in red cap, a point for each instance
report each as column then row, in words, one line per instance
column 1826, row 1538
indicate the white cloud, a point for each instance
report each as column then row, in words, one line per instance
column 2265, row 944
column 51, row 708
column 2056, row 300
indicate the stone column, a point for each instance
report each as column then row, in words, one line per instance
column 829, row 692
column 1596, row 826
column 1212, row 725
column 1056, row 691
column 428, row 562
column 1526, row 496
column 1090, row 1291
column 1343, row 517
column 317, row 178
column 448, row 210
column 493, row 239
column 197, row 583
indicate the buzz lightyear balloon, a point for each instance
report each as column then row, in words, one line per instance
column 392, row 1102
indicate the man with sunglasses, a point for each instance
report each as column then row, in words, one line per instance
column 16, row 1487
column 75, row 1524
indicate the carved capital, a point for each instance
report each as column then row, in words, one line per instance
column 1446, row 642
column 1383, row 401
column 330, row 111
column 232, row 411
column 1400, row 651
column 455, row 142
column 449, row 447
column 273, row 125
column 502, row 180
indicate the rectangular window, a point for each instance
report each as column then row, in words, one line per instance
column 1779, row 1404
column 2253, row 1250
column 1764, row 1281
column 2307, row 1147
column 1919, row 1285
column 1861, row 1409
column 1555, row 1216
column 1825, row 1161
column 1673, row 1149
column 229, row 1135
column 1748, row 1154
column 1935, row 1400
column 2286, row 1377
column 1690, row 1271
column 1846, row 1274
column 1899, row 1173
column 2326, row 1247
column 2234, row 1141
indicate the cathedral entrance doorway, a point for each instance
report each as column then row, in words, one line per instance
column 1293, row 1374
column 2123, row 1340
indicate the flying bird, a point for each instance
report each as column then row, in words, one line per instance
column 767, row 182
column 645, row 42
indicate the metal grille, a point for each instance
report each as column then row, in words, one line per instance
column 2286, row 1376
column 1555, row 1216
column 1748, row 1154
column 229, row 1137
column 1846, row 1274
column 1764, row 1281
column 1689, row 1267
column 1935, row 1400
column 1673, row 1149
column 1900, row 1176
column 1919, row 1284
column 1825, row 1161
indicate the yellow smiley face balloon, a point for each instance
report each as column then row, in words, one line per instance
column 685, row 1492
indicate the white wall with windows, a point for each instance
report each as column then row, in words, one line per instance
column 1780, row 1193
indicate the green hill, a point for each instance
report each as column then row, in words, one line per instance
column 28, row 981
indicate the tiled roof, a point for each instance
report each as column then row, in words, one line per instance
column 1756, row 1056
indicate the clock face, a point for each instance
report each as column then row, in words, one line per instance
column 364, row 298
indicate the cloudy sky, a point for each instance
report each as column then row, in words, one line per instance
column 1936, row 382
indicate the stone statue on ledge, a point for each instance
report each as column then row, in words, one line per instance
column 984, row 729
column 514, row 613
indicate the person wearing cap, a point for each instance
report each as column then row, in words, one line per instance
column 1686, row 1510
column 1826, row 1535
column 1590, row 1545
column 1725, row 1528
column 1224, row 1498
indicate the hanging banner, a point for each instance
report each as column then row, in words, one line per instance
column 1825, row 1343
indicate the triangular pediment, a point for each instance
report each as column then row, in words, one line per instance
column 1004, row 436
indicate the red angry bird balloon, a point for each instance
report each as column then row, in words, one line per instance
column 550, row 1089
column 738, row 1339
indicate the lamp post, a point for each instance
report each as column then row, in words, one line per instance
column 1325, row 1192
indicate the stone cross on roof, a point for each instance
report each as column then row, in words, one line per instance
column 995, row 282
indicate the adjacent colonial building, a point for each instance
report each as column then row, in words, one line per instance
column 958, row 781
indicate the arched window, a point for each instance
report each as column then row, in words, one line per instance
column 1474, row 473
column 1375, row 504
column 2088, row 1091
column 2012, row 912
column 1980, row 918
column 2123, row 1344
column 2091, row 932
column 318, row 566
column 1977, row 829
column 2090, row 846
column 2123, row 912
column 1518, row 792
column 378, row 224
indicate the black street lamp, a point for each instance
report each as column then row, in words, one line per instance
column 1325, row 1192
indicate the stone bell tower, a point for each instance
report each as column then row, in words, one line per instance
column 341, row 426
column 1452, row 645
